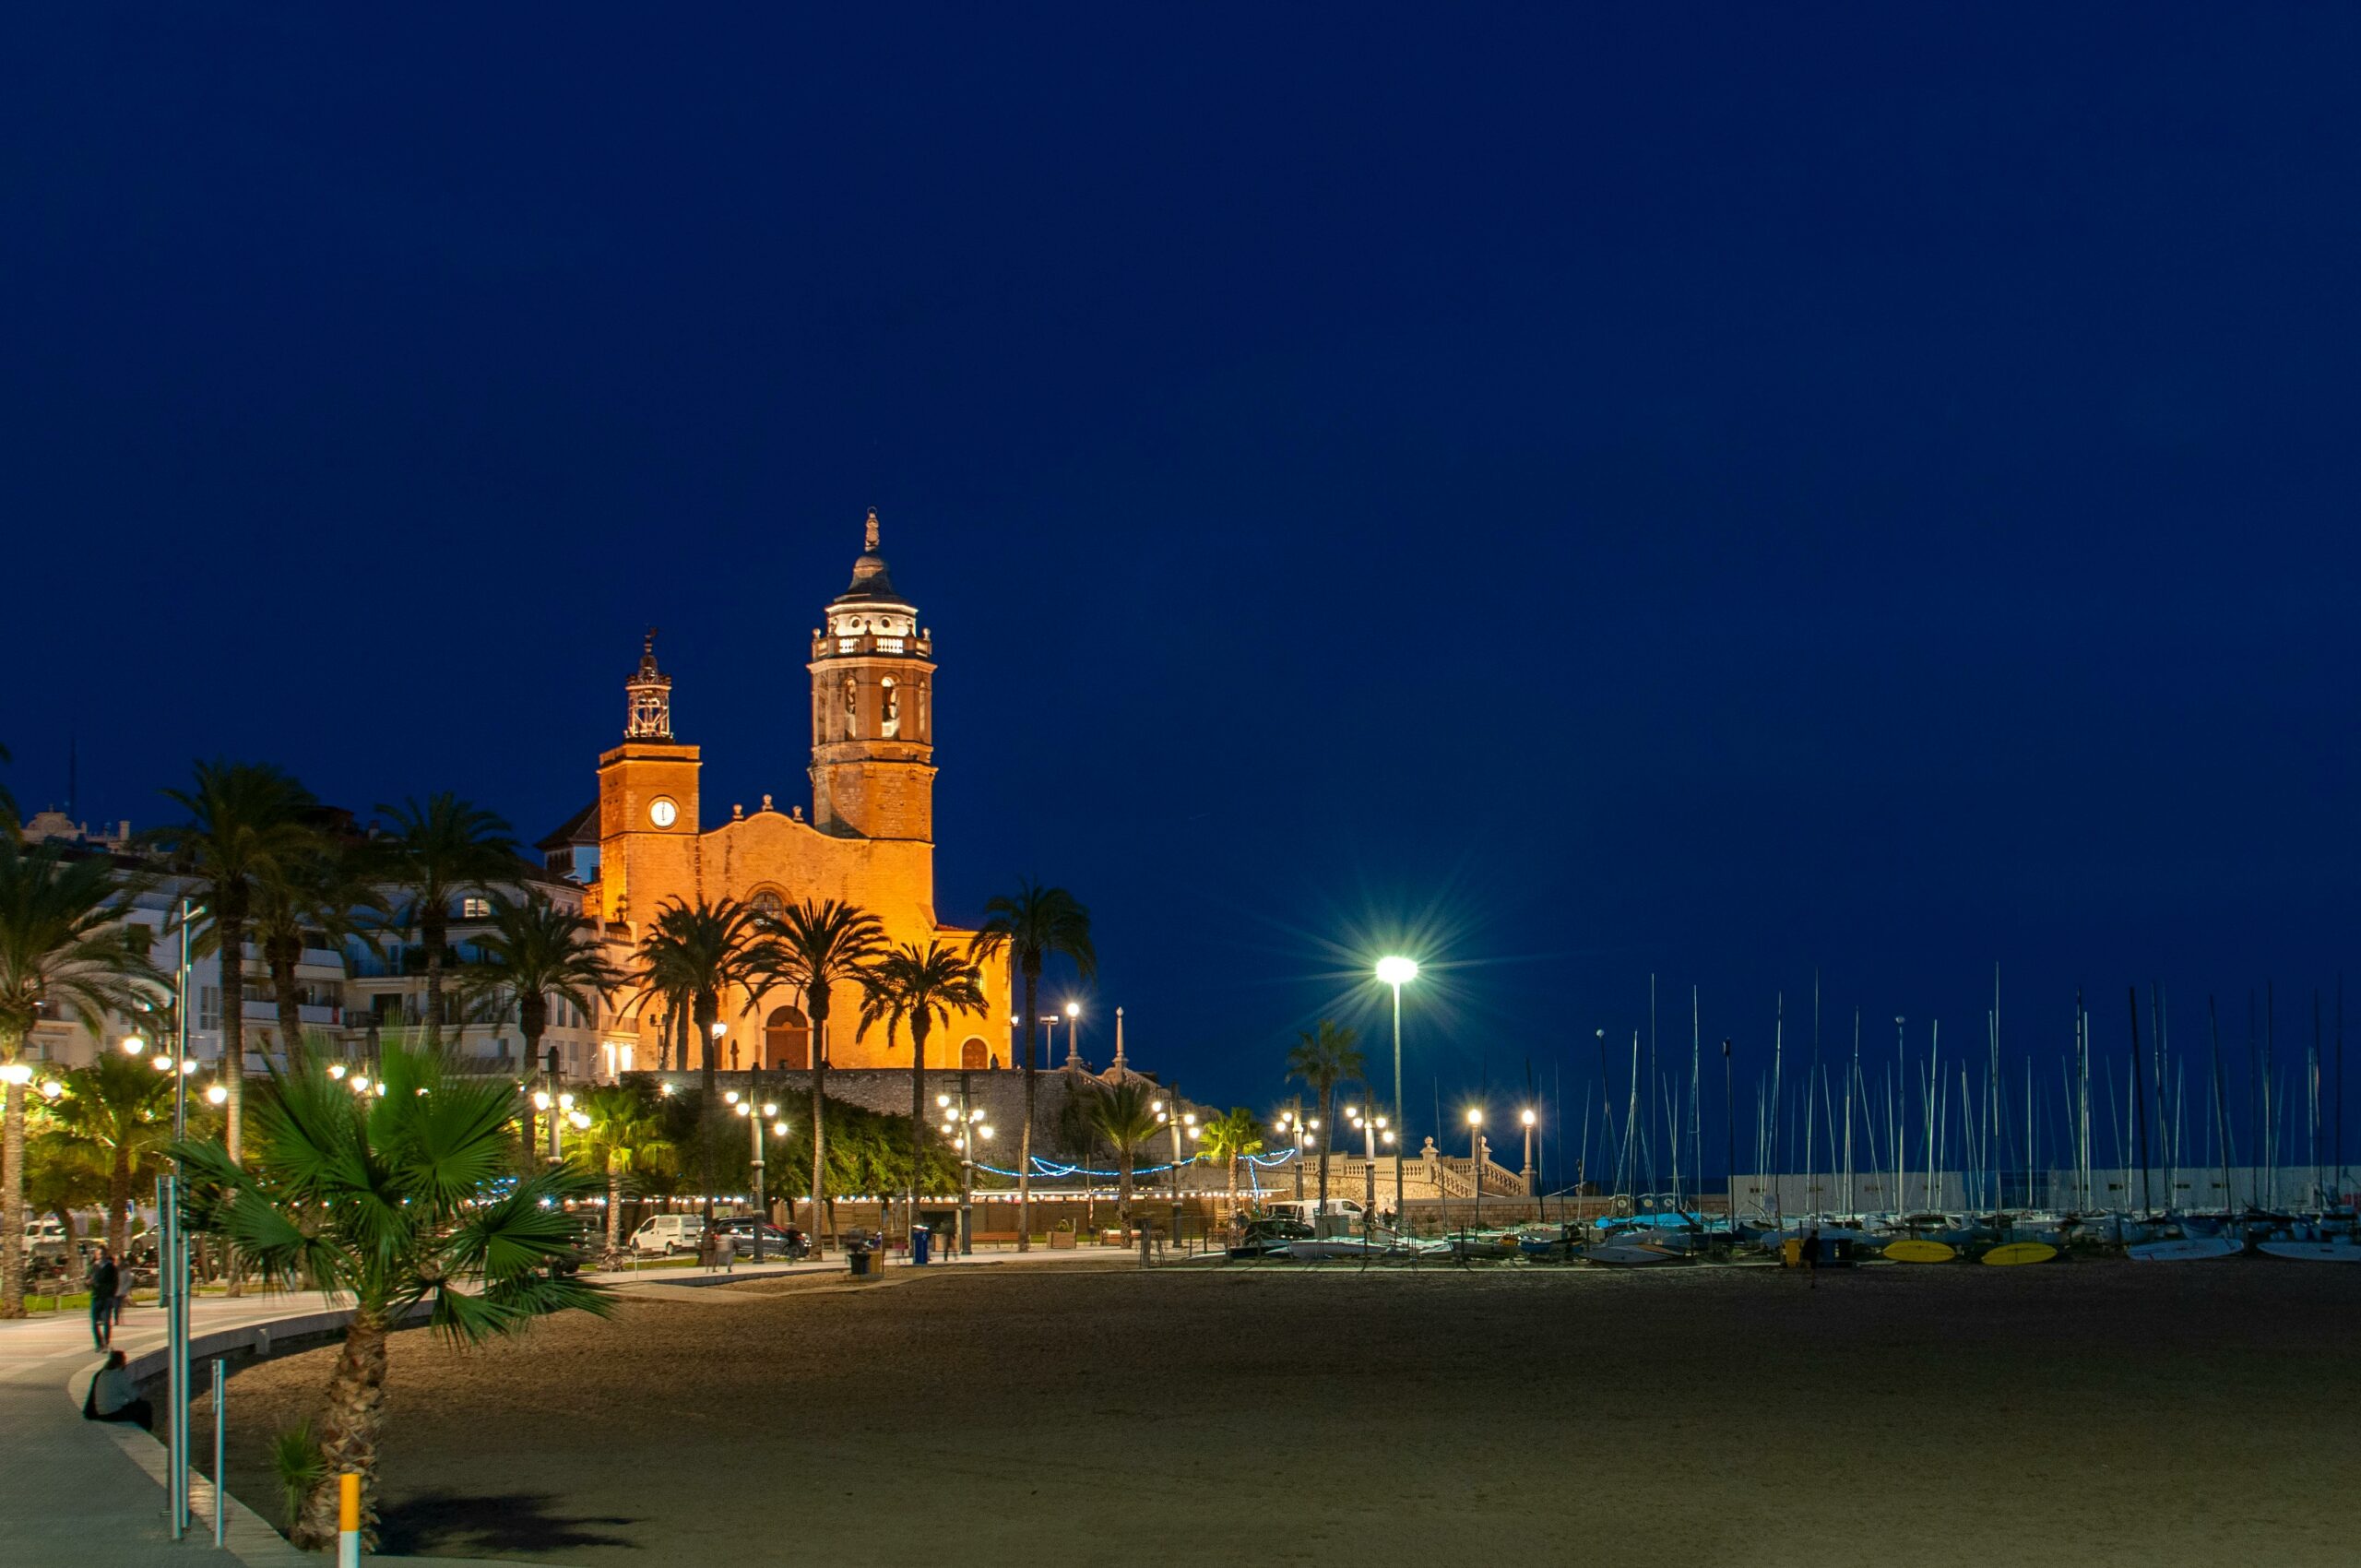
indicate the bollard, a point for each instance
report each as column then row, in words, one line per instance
column 220, row 1413
column 347, row 1521
column 1143, row 1244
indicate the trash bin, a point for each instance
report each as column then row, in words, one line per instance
column 921, row 1245
column 862, row 1260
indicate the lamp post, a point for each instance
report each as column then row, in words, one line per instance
column 1475, row 1159
column 1074, row 1032
column 1531, row 1117
column 963, row 1127
column 755, row 1136
column 1398, row 971
column 1292, row 1126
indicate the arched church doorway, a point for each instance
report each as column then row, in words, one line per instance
column 787, row 1039
column 972, row 1055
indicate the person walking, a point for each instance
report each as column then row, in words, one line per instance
column 122, row 1298
column 104, row 1276
column 1809, row 1254
column 725, row 1249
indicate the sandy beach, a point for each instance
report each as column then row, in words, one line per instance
column 2079, row 1413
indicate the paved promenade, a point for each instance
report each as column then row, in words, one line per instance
column 79, row 1491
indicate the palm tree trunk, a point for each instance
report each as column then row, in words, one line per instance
column 1025, row 1136
column 1233, row 1184
column 353, row 1411
column 708, row 1008
column 282, row 960
column 1327, row 1109
column 431, row 927
column 817, row 1004
column 1123, row 1197
column 12, row 1198
column 230, row 923
column 65, row 1217
column 614, row 1206
column 918, row 1116
column 530, row 1027
column 119, row 1200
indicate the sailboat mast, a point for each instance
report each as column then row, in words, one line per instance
column 2140, row 1113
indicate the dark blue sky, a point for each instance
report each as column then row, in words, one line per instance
column 1710, row 495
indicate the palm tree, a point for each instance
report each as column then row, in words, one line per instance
column 696, row 954
column 625, row 1136
column 59, row 1179
column 692, row 956
column 246, row 821
column 63, row 949
column 534, row 953
column 1323, row 1057
column 920, row 988
column 315, row 894
column 1125, row 1116
column 396, row 1200
column 1229, row 1137
column 439, row 852
column 1030, row 926
column 119, row 1112
column 815, row 947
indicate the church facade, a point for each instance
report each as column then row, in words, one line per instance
column 647, row 840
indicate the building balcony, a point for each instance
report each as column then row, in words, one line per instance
column 910, row 646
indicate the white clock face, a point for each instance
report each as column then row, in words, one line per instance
column 663, row 813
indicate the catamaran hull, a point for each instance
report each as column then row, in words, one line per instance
column 2193, row 1249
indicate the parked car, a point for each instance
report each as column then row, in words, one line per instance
column 775, row 1242
column 668, row 1234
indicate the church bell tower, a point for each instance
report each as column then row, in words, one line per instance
column 872, row 710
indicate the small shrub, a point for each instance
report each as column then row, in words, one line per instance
column 299, row 1465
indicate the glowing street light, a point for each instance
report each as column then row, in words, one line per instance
column 1532, row 1119
column 1476, row 1159
column 132, row 1045
column 218, row 1093
column 1398, row 971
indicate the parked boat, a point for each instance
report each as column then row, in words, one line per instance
column 2338, row 1251
column 1630, row 1254
column 2186, row 1248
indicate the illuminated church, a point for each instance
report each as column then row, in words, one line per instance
column 869, row 840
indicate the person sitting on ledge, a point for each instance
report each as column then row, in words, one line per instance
column 115, row 1396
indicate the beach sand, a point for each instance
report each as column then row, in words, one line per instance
column 2082, row 1413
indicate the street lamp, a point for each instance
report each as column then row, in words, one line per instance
column 754, row 1136
column 218, row 1093
column 132, row 1045
column 1074, row 1031
column 1398, row 971
column 1476, row 1159
column 962, row 1127
column 1531, row 1117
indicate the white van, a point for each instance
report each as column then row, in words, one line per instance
column 669, row 1233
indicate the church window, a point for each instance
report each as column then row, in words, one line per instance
column 892, row 701
column 767, row 901
column 924, row 692
column 972, row 1055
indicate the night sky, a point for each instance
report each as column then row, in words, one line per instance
column 1578, row 494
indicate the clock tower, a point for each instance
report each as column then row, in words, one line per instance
column 647, row 801
column 872, row 710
